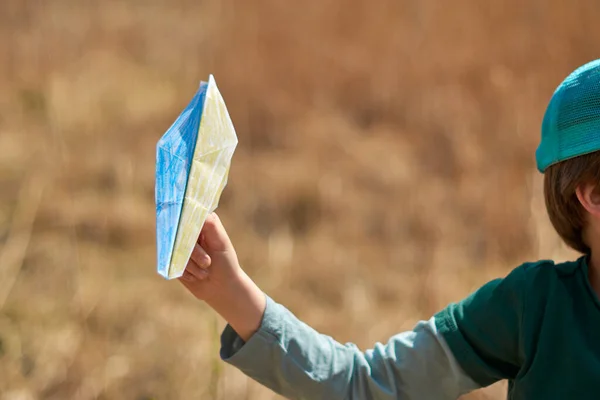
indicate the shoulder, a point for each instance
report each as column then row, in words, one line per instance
column 508, row 295
column 543, row 273
column 485, row 330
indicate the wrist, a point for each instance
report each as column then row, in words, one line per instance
column 241, row 303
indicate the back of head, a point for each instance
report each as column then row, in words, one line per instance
column 569, row 151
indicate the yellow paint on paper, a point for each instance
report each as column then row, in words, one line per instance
column 208, row 175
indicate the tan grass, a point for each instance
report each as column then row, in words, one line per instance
column 385, row 168
column 19, row 234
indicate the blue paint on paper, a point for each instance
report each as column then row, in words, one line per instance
column 174, row 153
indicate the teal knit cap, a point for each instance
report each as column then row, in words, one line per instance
column 571, row 125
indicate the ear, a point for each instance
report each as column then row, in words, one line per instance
column 589, row 197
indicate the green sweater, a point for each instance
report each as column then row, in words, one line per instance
column 539, row 328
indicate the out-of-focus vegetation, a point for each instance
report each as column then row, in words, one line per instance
column 385, row 168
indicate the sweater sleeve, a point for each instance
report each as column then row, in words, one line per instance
column 294, row 360
column 484, row 330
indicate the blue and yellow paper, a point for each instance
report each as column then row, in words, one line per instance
column 192, row 165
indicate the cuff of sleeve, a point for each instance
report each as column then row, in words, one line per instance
column 246, row 355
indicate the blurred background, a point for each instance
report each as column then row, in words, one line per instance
column 385, row 167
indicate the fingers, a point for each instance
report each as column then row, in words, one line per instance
column 197, row 267
column 194, row 273
column 214, row 235
column 187, row 277
column 197, row 272
column 193, row 284
column 200, row 257
column 189, row 281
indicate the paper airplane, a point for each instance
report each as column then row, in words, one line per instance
column 192, row 165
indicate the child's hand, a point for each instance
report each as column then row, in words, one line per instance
column 214, row 264
column 214, row 275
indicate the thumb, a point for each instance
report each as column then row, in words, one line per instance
column 214, row 236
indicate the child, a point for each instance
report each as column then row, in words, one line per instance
column 538, row 327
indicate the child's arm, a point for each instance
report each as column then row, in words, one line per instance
column 296, row 361
column 224, row 286
column 269, row 344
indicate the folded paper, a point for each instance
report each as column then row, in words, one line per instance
column 192, row 166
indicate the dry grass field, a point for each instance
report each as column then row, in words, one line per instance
column 385, row 168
